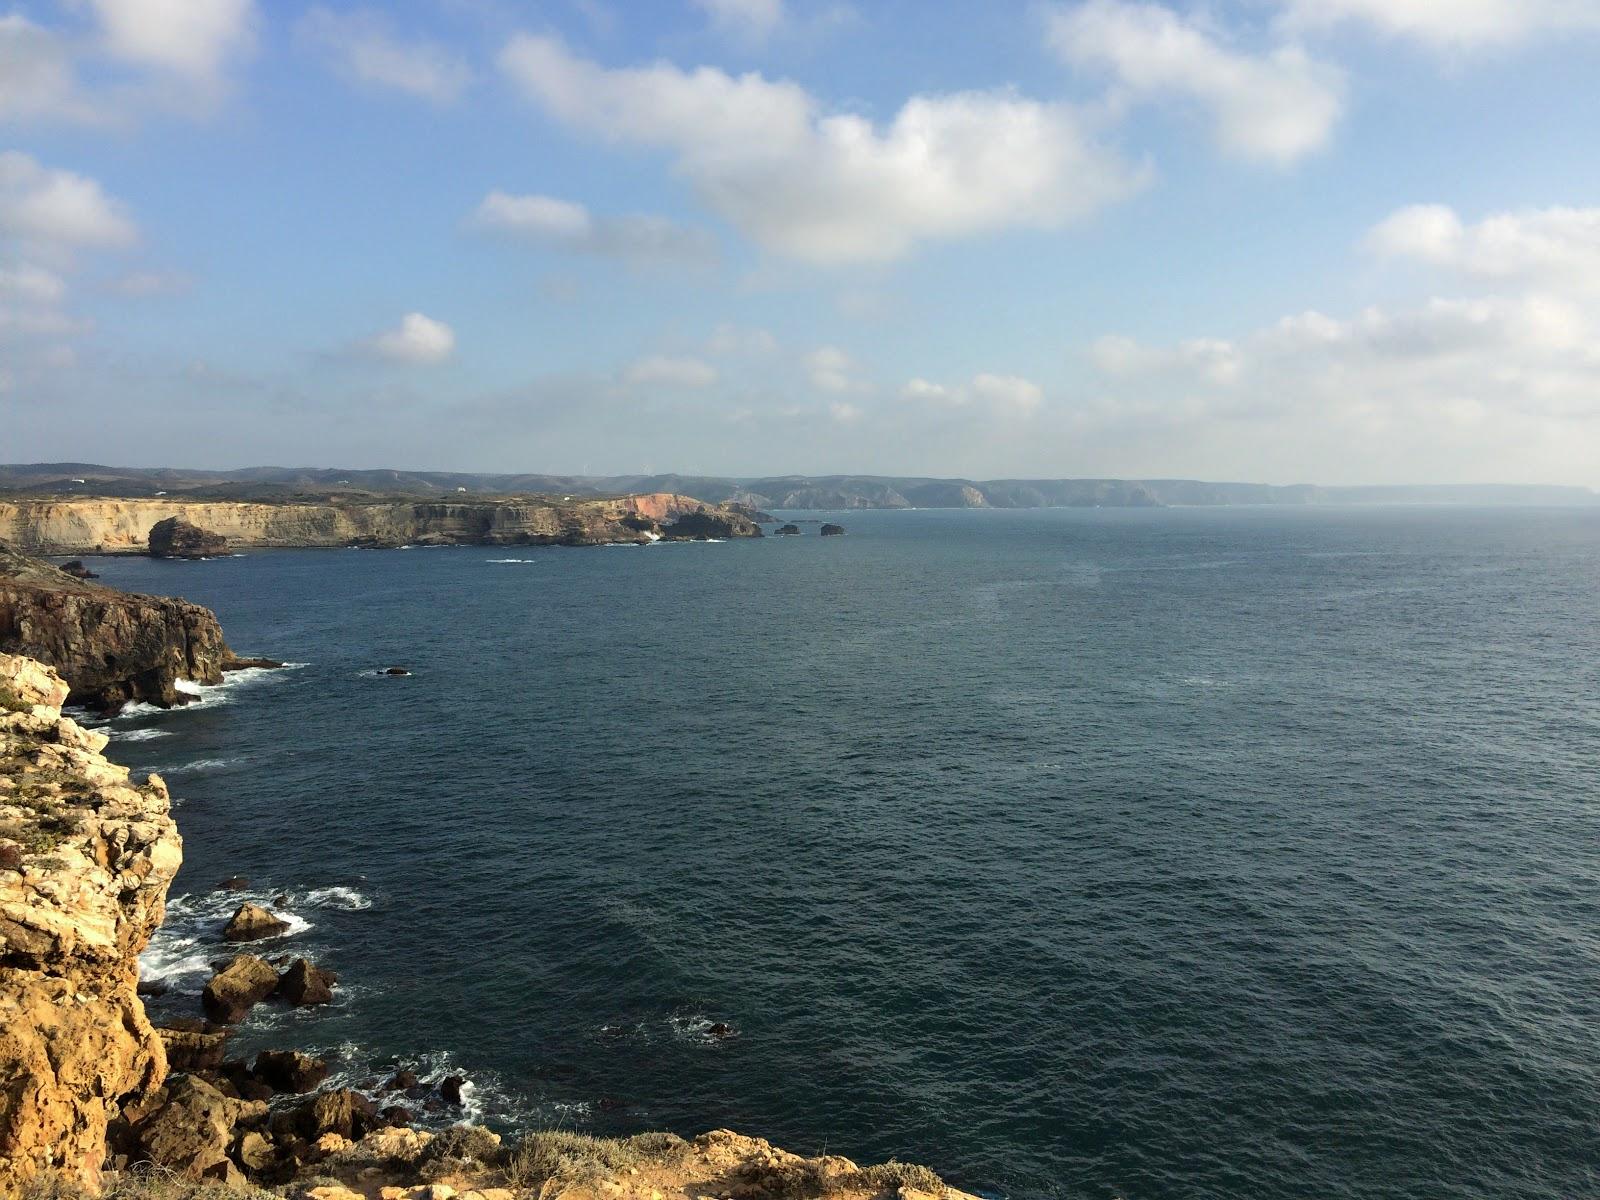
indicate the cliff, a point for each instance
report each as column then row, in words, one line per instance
column 85, row 859
column 122, row 526
column 111, row 647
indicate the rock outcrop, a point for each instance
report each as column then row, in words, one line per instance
column 91, row 854
column 831, row 531
column 122, row 526
column 176, row 538
column 707, row 524
column 111, row 647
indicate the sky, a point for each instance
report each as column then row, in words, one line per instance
column 1332, row 241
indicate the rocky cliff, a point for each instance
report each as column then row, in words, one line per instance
column 86, row 856
column 111, row 647
column 113, row 526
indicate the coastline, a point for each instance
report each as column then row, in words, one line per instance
column 171, row 1100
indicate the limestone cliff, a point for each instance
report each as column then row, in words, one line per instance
column 111, row 646
column 86, row 856
column 113, row 526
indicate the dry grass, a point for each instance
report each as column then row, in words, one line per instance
column 579, row 1158
column 151, row 1184
column 886, row 1177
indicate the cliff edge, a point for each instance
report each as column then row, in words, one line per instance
column 111, row 647
column 86, row 856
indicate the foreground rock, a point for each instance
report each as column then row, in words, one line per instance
column 90, row 856
column 290, row 1070
column 177, row 538
column 111, row 647
column 191, row 1131
column 241, row 985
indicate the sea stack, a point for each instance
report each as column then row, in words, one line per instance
column 177, row 538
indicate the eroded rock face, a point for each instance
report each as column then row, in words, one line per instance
column 94, row 853
column 177, row 538
column 708, row 523
column 111, row 647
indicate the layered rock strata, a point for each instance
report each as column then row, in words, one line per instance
column 86, row 855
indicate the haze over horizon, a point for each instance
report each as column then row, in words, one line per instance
column 1280, row 241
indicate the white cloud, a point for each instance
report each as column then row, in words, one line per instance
column 836, row 188
column 31, row 285
column 1556, row 248
column 1276, row 106
column 998, row 395
column 417, row 341
column 753, row 20
column 830, row 369
column 55, row 210
column 37, row 77
column 194, row 38
column 660, row 369
column 729, row 339
column 1448, row 24
column 150, row 283
column 636, row 237
column 363, row 48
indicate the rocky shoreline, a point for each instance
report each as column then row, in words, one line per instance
column 95, row 1098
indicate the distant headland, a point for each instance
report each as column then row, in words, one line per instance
column 827, row 492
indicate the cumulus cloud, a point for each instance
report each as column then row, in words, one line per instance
column 830, row 369
column 37, row 78
column 661, row 369
column 57, row 210
column 1275, row 107
column 729, row 339
column 417, row 341
column 362, row 47
column 1447, row 24
column 1000, row 395
column 751, row 20
column 835, row 187
column 636, row 238
column 195, row 38
column 1556, row 248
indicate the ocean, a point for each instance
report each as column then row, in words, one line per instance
column 1075, row 853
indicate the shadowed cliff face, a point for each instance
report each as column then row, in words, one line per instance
column 112, row 647
column 106, row 526
column 86, row 857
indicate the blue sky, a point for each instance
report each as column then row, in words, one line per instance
column 1278, row 240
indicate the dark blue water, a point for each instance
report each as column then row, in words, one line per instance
column 1116, row 853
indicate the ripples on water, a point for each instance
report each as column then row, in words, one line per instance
column 1150, row 854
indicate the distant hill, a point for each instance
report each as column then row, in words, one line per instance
column 784, row 491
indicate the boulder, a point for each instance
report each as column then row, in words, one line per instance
column 255, row 1153
column 190, row 1132
column 831, row 530
column 787, row 531
column 251, row 922
column 177, row 538
column 303, row 983
column 190, row 1050
column 450, row 1089
column 233, row 991
column 402, row 1081
column 77, row 570
column 290, row 1070
column 344, row 1112
column 395, row 1116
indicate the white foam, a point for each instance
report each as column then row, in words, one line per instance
column 338, row 896
column 139, row 735
column 199, row 764
column 510, row 560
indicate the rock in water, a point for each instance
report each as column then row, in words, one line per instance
column 832, row 530
column 237, row 988
column 699, row 526
column 304, row 983
column 251, row 922
column 177, row 538
column 788, row 530
column 290, row 1070
column 77, row 570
